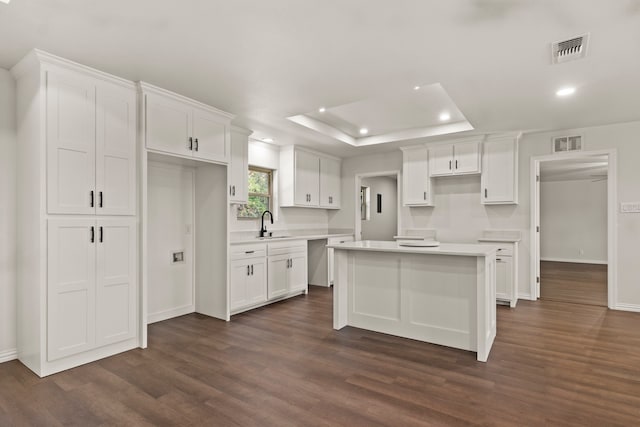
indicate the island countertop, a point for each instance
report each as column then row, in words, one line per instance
column 461, row 249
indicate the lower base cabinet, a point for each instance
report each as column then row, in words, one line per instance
column 506, row 271
column 265, row 272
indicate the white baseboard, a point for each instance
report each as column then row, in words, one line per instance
column 8, row 355
column 575, row 261
column 628, row 307
column 169, row 314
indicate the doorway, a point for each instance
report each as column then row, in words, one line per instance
column 378, row 196
column 573, row 228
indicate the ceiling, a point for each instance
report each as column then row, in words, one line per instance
column 266, row 61
column 593, row 168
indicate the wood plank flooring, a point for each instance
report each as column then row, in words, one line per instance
column 573, row 282
column 552, row 364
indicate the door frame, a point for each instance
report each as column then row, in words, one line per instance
column 358, row 184
column 612, row 220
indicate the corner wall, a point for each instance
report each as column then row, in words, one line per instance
column 7, row 216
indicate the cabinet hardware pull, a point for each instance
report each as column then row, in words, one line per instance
column 93, row 234
column 425, row 195
column 252, row 269
column 191, row 143
column 91, row 194
column 101, row 239
column 449, row 164
column 248, row 270
column 230, row 191
column 499, row 249
column 485, row 193
column 456, row 165
column 498, row 259
column 234, row 190
column 196, row 144
column 100, row 199
column 249, row 252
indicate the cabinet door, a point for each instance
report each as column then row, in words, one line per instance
column 415, row 183
column 307, row 178
column 278, row 281
column 499, row 172
column 329, row 183
column 504, row 280
column 466, row 158
column 71, row 143
column 210, row 139
column 71, row 287
column 116, row 283
column 238, row 168
column 240, row 272
column 256, row 289
column 298, row 272
column 115, row 150
column 441, row 160
column 168, row 125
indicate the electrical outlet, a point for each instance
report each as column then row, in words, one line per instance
column 630, row 207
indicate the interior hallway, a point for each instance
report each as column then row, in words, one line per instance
column 573, row 282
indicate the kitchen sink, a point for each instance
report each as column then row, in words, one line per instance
column 272, row 237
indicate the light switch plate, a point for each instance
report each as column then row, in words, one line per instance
column 630, row 207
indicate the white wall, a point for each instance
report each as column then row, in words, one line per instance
column 268, row 156
column 573, row 221
column 7, row 216
column 381, row 226
column 459, row 216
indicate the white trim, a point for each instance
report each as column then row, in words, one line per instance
column 628, row 307
column 171, row 313
column 575, row 261
column 8, row 355
column 357, row 229
column 612, row 218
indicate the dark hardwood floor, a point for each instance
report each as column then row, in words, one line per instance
column 552, row 364
column 573, row 282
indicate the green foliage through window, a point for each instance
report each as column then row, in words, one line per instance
column 260, row 183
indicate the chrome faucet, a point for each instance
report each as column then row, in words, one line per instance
column 263, row 229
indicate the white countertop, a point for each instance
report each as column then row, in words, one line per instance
column 284, row 239
column 499, row 239
column 462, row 249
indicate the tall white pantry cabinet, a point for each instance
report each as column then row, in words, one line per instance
column 77, row 223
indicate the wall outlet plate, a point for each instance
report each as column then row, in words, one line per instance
column 630, row 207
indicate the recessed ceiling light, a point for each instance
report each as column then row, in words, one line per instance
column 565, row 91
column 322, row 109
column 267, row 139
column 416, row 88
column 444, row 117
column 364, row 131
column 5, row 1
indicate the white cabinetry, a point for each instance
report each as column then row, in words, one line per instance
column 239, row 165
column 331, row 254
column 77, row 267
column 455, row 158
column 181, row 126
column 500, row 170
column 506, row 271
column 306, row 177
column 248, row 284
column 416, row 183
column 91, row 143
column 287, row 268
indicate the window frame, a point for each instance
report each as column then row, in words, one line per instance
column 268, row 195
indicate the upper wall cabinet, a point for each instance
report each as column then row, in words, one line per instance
column 238, row 169
column 455, row 158
column 500, row 170
column 91, row 145
column 183, row 127
column 416, row 183
column 308, row 179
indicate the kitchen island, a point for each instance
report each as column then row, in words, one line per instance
column 444, row 295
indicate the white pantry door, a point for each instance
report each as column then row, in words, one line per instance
column 116, row 288
column 115, row 150
column 71, row 143
column 71, row 291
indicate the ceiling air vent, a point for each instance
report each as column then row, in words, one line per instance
column 568, row 50
column 563, row 144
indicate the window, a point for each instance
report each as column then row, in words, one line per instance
column 260, row 193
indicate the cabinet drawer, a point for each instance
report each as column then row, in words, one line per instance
column 338, row 240
column 252, row 250
column 281, row 248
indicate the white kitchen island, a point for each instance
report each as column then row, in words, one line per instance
column 443, row 295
